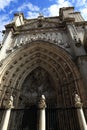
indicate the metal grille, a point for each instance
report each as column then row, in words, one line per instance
column 62, row 119
column 56, row 119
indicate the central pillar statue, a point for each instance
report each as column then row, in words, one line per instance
column 42, row 118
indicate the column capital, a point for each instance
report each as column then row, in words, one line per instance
column 78, row 102
column 9, row 103
column 42, row 103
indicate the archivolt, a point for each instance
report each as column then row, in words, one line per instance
column 52, row 58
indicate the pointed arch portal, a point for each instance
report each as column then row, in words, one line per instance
column 41, row 68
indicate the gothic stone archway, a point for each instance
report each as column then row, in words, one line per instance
column 50, row 58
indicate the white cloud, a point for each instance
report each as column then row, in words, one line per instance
column 28, row 5
column 53, row 10
column 3, row 21
column 33, row 7
column 80, row 3
column 84, row 13
column 22, row 7
column 4, row 3
column 81, row 6
column 32, row 10
column 61, row 1
column 32, row 14
column 11, row 11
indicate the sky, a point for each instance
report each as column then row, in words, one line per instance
column 32, row 8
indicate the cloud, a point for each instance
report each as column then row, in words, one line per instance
column 61, row 1
column 84, row 13
column 33, row 7
column 29, row 6
column 32, row 14
column 53, row 10
column 81, row 6
column 80, row 3
column 11, row 11
column 4, row 3
column 22, row 7
column 4, row 19
column 32, row 10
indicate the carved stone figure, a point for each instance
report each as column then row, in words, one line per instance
column 8, row 103
column 78, row 101
column 77, row 98
column 42, row 103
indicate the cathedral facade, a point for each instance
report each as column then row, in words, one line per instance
column 44, row 56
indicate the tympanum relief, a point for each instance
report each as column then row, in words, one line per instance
column 37, row 83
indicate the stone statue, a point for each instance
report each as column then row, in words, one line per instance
column 77, row 98
column 10, row 103
column 78, row 101
column 42, row 103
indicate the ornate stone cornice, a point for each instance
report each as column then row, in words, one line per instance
column 82, row 23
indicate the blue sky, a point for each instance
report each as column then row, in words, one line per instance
column 31, row 8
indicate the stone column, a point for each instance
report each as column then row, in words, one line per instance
column 42, row 119
column 6, row 118
column 80, row 113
